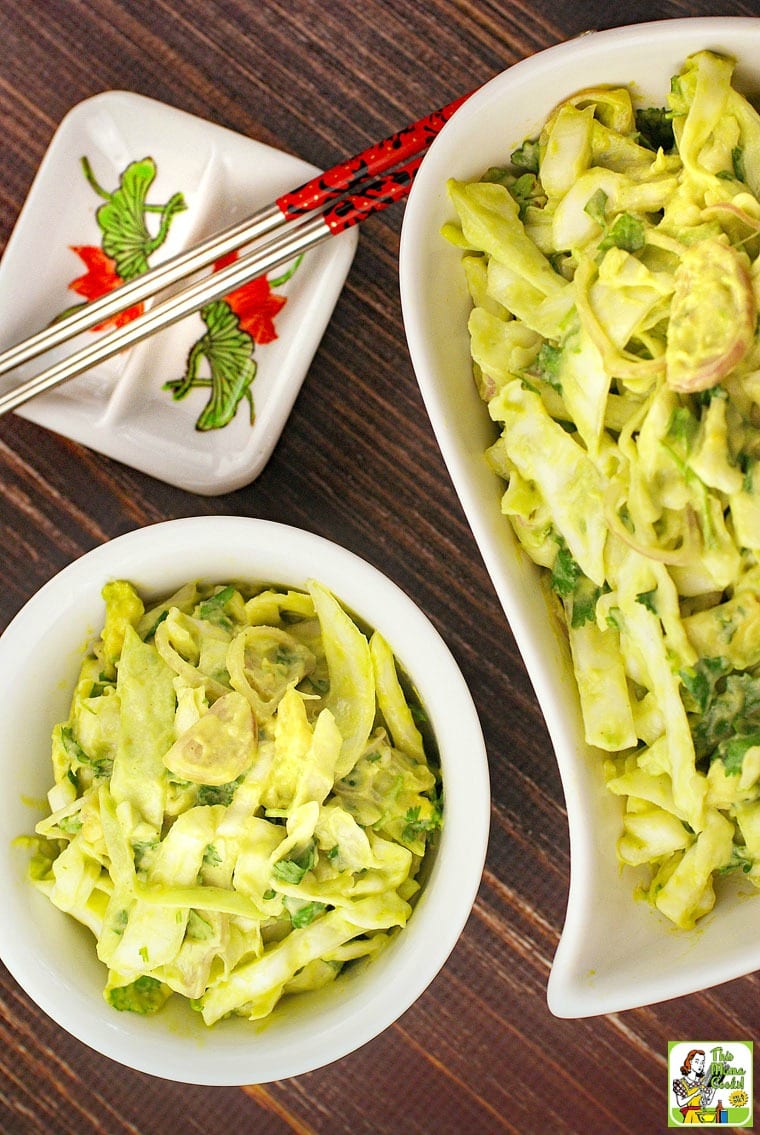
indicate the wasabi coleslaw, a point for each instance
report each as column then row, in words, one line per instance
column 614, row 270
column 245, row 793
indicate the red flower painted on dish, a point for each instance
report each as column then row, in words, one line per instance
column 255, row 304
column 100, row 278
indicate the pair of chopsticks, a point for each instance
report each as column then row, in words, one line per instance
column 328, row 204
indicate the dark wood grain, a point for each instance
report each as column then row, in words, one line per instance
column 357, row 462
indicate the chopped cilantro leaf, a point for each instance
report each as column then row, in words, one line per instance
column 655, row 128
column 746, row 464
column 305, row 914
column 101, row 767
column 585, row 598
column 596, row 206
column 739, row 861
column 733, row 752
column 152, row 630
column 211, row 856
column 218, row 793
column 141, row 849
column 699, row 681
column 293, row 870
column 145, row 995
column 526, row 156
column 73, row 749
column 614, row 619
column 497, row 174
column 627, row 232
column 416, row 825
column 565, row 572
column 120, row 920
column 70, row 824
column 737, row 157
column 212, row 608
column 199, row 928
column 288, row 871
column 648, row 599
column 527, row 190
column 724, row 712
column 547, row 364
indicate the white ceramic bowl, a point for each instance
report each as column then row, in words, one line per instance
column 53, row 957
column 615, row 952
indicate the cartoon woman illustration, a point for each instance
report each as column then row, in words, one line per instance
column 691, row 1091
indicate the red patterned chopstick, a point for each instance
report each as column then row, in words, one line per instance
column 351, row 209
column 328, row 204
column 378, row 158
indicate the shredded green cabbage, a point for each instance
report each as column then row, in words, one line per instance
column 614, row 339
column 243, row 801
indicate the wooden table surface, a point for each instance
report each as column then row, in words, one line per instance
column 357, row 462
